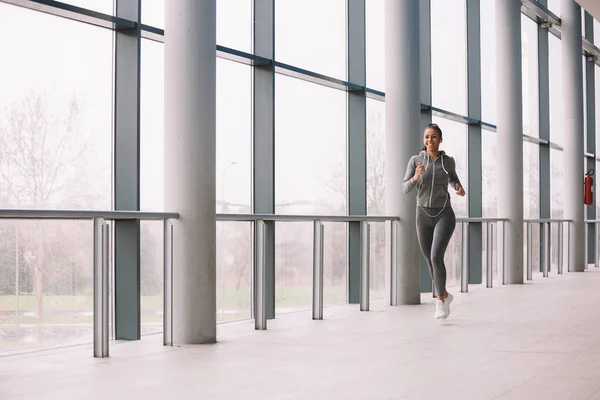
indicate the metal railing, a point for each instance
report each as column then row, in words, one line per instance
column 364, row 296
column 596, row 223
column 493, row 237
column 318, row 250
column 492, row 230
column 102, row 259
column 491, row 227
column 101, row 266
column 546, row 243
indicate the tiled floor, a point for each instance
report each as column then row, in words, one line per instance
column 538, row 340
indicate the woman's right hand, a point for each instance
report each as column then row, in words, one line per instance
column 419, row 172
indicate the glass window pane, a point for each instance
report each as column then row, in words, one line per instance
column 311, row 34
column 556, row 184
column 153, row 13
column 530, row 77
column 151, row 276
column 379, row 278
column 310, row 148
column 46, row 284
column 531, row 179
column 556, row 91
column 103, row 6
column 375, row 157
column 453, row 259
column 47, row 93
column 234, row 24
column 234, row 137
column 152, row 162
column 375, row 28
column 293, row 266
column 488, row 61
column 234, row 270
column 489, row 174
column 448, row 55
column 596, row 33
column 335, row 263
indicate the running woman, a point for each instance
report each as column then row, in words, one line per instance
column 430, row 172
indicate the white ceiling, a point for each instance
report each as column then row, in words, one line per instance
column 591, row 6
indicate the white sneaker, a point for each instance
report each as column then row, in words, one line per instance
column 447, row 304
column 442, row 307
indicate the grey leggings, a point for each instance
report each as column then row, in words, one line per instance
column 434, row 232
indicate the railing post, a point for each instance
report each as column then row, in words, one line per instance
column 317, row 301
column 529, row 252
column 489, row 274
column 586, row 241
column 504, row 252
column 111, row 282
column 260, row 319
column 364, row 265
column 106, row 286
column 569, row 223
column 596, row 243
column 168, row 283
column 560, row 248
column 464, row 276
column 393, row 263
column 101, row 286
column 17, row 279
column 546, row 265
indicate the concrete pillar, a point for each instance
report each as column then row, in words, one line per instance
column 510, row 131
column 403, row 136
column 190, row 126
column 573, row 128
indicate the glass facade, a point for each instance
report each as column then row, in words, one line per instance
column 488, row 60
column 375, row 44
column 58, row 119
column 322, row 47
column 449, row 55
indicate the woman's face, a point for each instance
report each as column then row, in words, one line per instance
column 431, row 140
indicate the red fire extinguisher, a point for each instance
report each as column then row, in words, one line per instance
column 588, row 185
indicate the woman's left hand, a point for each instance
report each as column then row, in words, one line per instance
column 459, row 190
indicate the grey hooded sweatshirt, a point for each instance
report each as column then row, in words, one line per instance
column 432, row 187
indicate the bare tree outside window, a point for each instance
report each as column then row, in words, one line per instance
column 45, row 163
